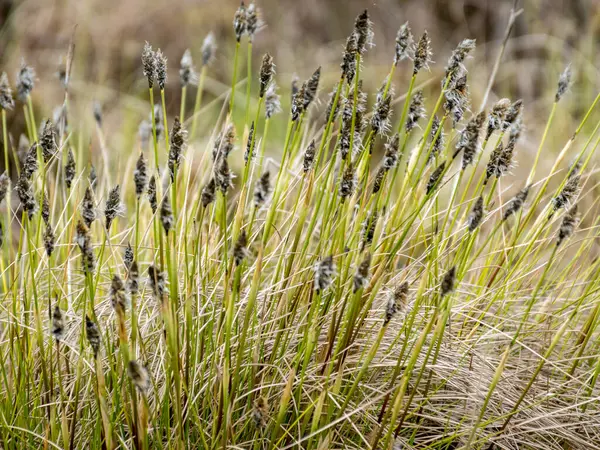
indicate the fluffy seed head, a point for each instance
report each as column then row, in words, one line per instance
column 380, row 120
column 448, row 282
column 25, row 81
column 435, row 178
column 469, row 139
column 157, row 282
column 114, row 207
column 564, row 82
column 404, row 44
column 152, row 199
column 31, row 162
column 309, row 157
column 253, row 22
column 324, row 273
column 312, row 86
column 379, row 178
column 368, row 229
column 187, row 71
column 45, row 207
column 516, row 203
column 70, row 168
column 140, row 175
column 161, row 69
column 348, row 182
column 298, row 103
column 267, row 71
column 118, row 295
column 568, row 193
column 416, row 111
column 512, row 114
column 6, row 99
column 84, row 242
column 4, row 185
column 422, row 54
column 139, row 375
column 48, row 141
column 209, row 48
column 262, row 189
column 26, row 197
column 208, row 193
column 396, row 302
column 58, row 324
column 348, row 64
column 222, row 175
column 166, row 214
column 391, row 156
column 128, row 256
column 363, row 28
column 133, row 278
column 240, row 249
column 49, row 240
column 362, row 273
column 437, row 136
column 272, row 101
column 177, row 147
column 149, row 64
column 239, row 22
column 457, row 98
column 568, row 225
column 497, row 116
column 460, row 53
column 92, row 333
column 250, row 145
column 224, row 143
column 330, row 104
column 476, row 215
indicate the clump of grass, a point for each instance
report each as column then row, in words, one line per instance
column 335, row 299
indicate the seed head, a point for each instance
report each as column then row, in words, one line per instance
column 114, row 207
column 262, row 189
column 208, row 193
column 140, row 175
column 568, row 193
column 416, row 111
column 455, row 63
column 272, row 101
column 564, row 82
column 330, row 105
column 260, row 412
column 161, row 69
column 177, row 147
column 404, row 44
column 224, row 143
column 157, row 282
column 267, row 71
column 25, row 81
column 516, row 203
column 390, row 158
column 166, row 214
column 58, row 324
column 152, row 194
column 379, row 178
column 240, row 249
column 31, row 162
column 396, row 302
column 380, row 121
column 133, row 278
column 187, row 71
column 250, row 145
column 513, row 113
column 149, row 64
column 368, row 229
column 362, row 273
column 128, row 256
column 70, row 168
column 363, row 28
column 49, row 240
column 309, row 157
column 92, row 333
column 239, row 22
column 348, row 182
column 84, row 241
column 312, row 86
column 457, row 99
column 435, row 178
column 139, row 375
column 4, row 185
column 505, row 159
column 26, row 197
column 348, row 64
column 476, row 215
column 437, row 136
column 118, row 295
column 448, row 282
column 497, row 116
column 6, row 99
column 568, row 225
column 469, row 139
column 253, row 22
column 422, row 54
column 209, row 48
column 298, row 103
column 324, row 273
column 222, row 175
column 45, row 208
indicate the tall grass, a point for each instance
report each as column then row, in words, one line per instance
column 425, row 298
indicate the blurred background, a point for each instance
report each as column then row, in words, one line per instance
column 301, row 35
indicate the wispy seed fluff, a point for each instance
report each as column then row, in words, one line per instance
column 208, row 193
column 139, row 375
column 348, row 64
column 363, row 28
column 26, row 197
column 113, row 207
column 362, row 273
column 128, row 256
column 348, row 182
column 309, row 157
column 404, row 44
column 457, row 99
column 262, row 189
column 49, row 240
column 390, row 159
column 187, row 71
column 497, row 116
column 435, row 178
column 416, row 111
column 422, row 54
column 513, row 113
column 396, row 302
column 140, row 175
column 152, row 199
column 568, row 225
column 161, row 69
column 267, row 71
column 324, row 273
column 70, row 169
column 564, row 82
column 118, row 295
column 157, row 282
column 88, row 209
column 4, row 185
column 240, row 249
column 177, row 147
column 260, row 412
column 166, row 214
column 312, row 86
column 6, row 99
column 253, row 22
column 84, row 242
column 31, row 162
column 25, row 81
column 568, row 193
column 209, row 48
column 92, row 333
column 476, row 215
column 149, row 64
column 380, row 121
column 448, row 282
column 437, row 136
column 516, row 203
column 58, row 324
column 272, row 101
column 455, row 63
column 239, row 22
column 48, row 141
column 469, row 139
